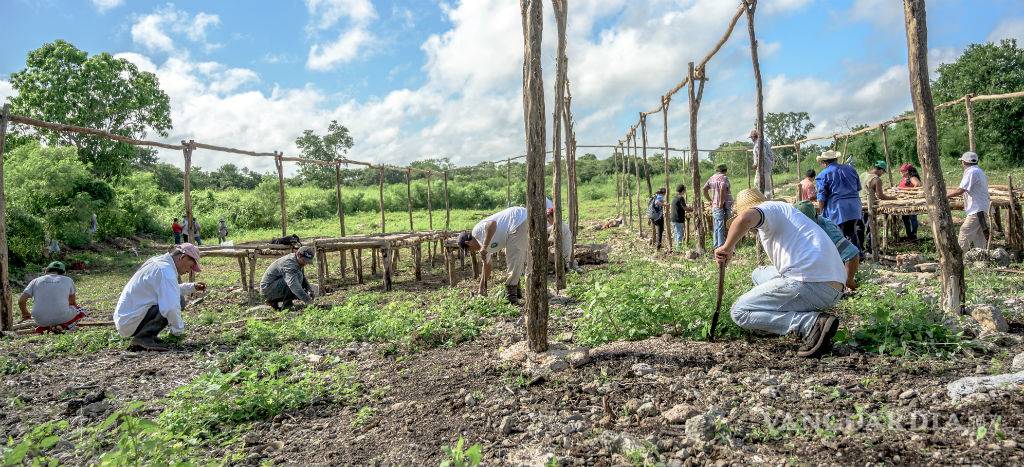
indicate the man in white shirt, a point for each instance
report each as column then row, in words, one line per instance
column 764, row 171
column 570, row 262
column 53, row 301
column 505, row 229
column 974, row 188
column 152, row 299
column 807, row 273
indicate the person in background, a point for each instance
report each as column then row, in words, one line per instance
column 769, row 162
column 679, row 210
column 195, row 232
column 656, row 214
column 186, row 233
column 222, row 231
column 285, row 279
column 176, row 228
column 910, row 179
column 719, row 194
column 153, row 299
column 872, row 181
column 53, row 301
column 506, row 229
column 807, row 189
column 847, row 252
column 94, row 225
column 838, row 196
column 974, row 188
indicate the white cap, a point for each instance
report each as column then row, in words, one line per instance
column 969, row 157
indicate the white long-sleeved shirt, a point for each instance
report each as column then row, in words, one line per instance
column 155, row 283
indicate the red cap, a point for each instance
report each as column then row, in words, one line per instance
column 905, row 167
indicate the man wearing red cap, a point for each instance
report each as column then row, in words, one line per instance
column 153, row 299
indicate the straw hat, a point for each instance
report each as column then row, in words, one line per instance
column 746, row 199
column 829, row 155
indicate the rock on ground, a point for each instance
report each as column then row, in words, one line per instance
column 974, row 384
column 1018, row 362
column 990, row 318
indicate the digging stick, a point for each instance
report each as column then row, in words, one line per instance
column 718, row 303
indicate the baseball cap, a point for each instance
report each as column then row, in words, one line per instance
column 881, row 165
column 969, row 157
column 307, row 252
column 56, row 266
column 191, row 251
column 464, row 239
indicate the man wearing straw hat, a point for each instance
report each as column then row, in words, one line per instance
column 806, row 275
column 839, row 196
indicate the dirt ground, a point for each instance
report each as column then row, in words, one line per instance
column 661, row 400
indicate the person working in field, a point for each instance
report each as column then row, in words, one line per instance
column 807, row 190
column 679, row 210
column 872, row 182
column 570, row 262
column 974, row 188
column 153, row 299
column 769, row 162
column 506, row 229
column 719, row 194
column 222, row 231
column 656, row 214
column 176, row 229
column 847, row 252
column 909, row 181
column 806, row 275
column 285, row 280
column 53, row 301
column 838, row 196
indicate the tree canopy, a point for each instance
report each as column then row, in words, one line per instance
column 330, row 146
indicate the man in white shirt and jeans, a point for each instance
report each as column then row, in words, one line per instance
column 152, row 299
column 807, row 273
column 504, row 229
column 974, row 188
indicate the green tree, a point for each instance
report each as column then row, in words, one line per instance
column 63, row 84
column 785, row 128
column 999, row 125
column 333, row 145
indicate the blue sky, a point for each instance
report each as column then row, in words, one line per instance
column 416, row 79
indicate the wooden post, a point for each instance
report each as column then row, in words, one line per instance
column 358, row 265
column 876, row 249
column 1014, row 221
column 341, row 215
column 846, row 146
column 618, row 181
column 950, row 255
column 380, row 192
column 280, row 192
column 417, row 256
column 187, row 148
column 321, row 271
column 430, row 220
column 7, row 311
column 533, row 105
column 762, row 175
column 627, row 189
column 639, row 200
column 253, row 293
column 408, row 196
column 385, row 265
column 799, row 176
column 698, row 202
column 242, row 279
column 570, row 149
column 447, row 206
column 508, row 182
column 561, row 63
column 647, row 168
column 449, row 266
column 969, row 106
column 667, row 210
column 373, row 261
column 885, row 148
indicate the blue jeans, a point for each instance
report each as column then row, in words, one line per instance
column 677, row 232
column 719, row 216
column 177, row 239
column 779, row 305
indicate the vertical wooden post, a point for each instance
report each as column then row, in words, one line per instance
column 561, row 64
column 647, row 168
column 698, row 203
column 7, row 312
column 408, row 196
column 885, row 148
column 667, row 210
column 762, row 175
column 380, row 191
column 799, row 175
column 430, row 219
column 639, row 200
column 253, row 293
column 508, row 182
column 358, row 265
column 187, row 148
column 876, row 249
column 570, row 149
column 533, row 106
column 950, row 255
column 341, row 215
column 447, row 205
column 846, row 146
column 280, row 192
column 1014, row 221
column 627, row 189
column 618, row 181
column 385, row 264
column 969, row 106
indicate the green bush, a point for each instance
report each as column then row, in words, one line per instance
column 25, row 239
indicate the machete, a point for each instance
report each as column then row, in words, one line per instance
column 718, row 303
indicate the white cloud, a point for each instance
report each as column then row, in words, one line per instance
column 886, row 14
column 350, row 42
column 153, row 31
column 149, row 32
column 323, row 57
column 330, row 12
column 781, row 6
column 1009, row 28
column 104, row 5
column 6, row 90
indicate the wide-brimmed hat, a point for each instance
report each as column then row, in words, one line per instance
column 829, row 156
column 191, row 251
column 746, row 199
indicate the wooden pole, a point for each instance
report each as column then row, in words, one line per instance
column 430, row 220
column 639, row 201
column 873, row 223
column 533, row 107
column 570, row 165
column 508, row 182
column 698, row 203
column 380, row 192
column 762, row 175
column 280, row 192
column 885, row 148
column 618, row 181
column 647, row 168
column 447, row 205
column 186, row 150
column 846, row 146
column 408, row 196
column 7, row 311
column 561, row 63
column 1015, row 221
column 667, row 210
column 341, row 207
column 627, row 189
column 799, row 176
column 969, row 106
column 950, row 255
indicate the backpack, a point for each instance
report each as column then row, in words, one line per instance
column 653, row 209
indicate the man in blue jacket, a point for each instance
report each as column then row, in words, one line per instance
column 839, row 196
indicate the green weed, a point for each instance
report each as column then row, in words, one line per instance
column 885, row 322
column 461, row 456
column 35, row 444
column 11, row 366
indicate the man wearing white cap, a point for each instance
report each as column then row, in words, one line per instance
column 807, row 273
column 153, row 299
column 505, row 229
column 974, row 188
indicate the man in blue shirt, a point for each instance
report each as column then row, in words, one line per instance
column 839, row 196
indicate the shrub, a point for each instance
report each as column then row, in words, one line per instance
column 25, row 239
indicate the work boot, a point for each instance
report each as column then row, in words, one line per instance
column 274, row 304
column 512, row 292
column 147, row 344
column 819, row 341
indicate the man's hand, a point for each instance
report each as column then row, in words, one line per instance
column 200, row 286
column 723, row 255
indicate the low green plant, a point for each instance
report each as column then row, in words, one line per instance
column 886, row 322
column 33, row 446
column 11, row 366
column 461, row 456
column 362, row 416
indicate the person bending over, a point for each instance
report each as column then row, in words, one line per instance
column 506, row 229
column 285, row 280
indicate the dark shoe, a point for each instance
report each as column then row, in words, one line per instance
column 819, row 340
column 274, row 304
column 512, row 292
column 146, row 344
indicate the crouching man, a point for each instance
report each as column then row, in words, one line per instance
column 506, row 230
column 153, row 299
column 807, row 273
column 285, row 280
column 53, row 301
